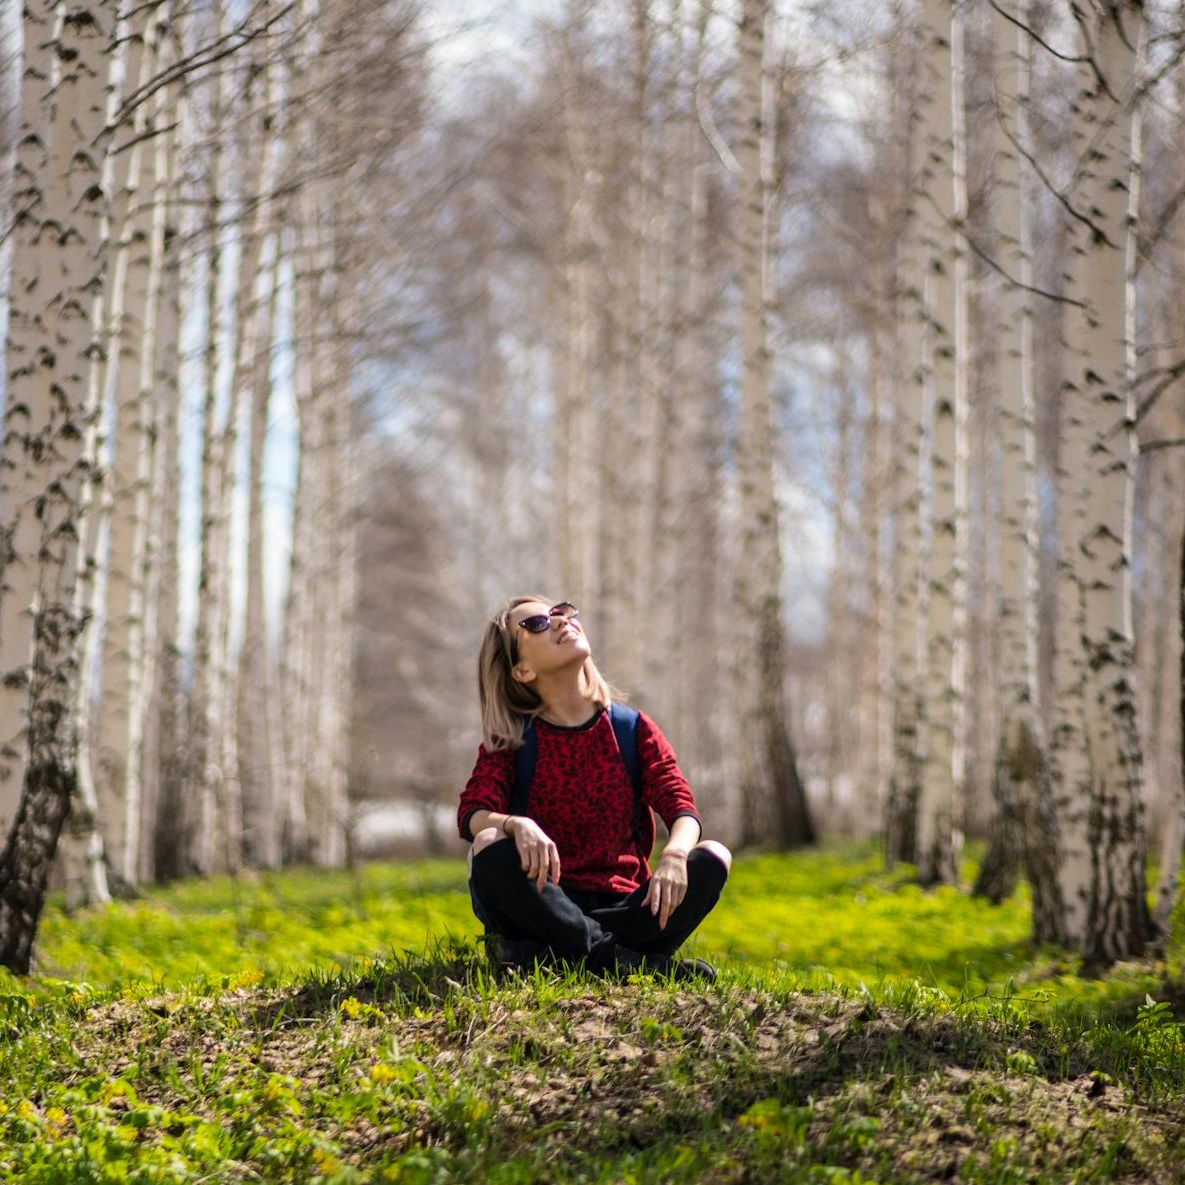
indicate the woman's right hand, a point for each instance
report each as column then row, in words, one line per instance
column 540, row 858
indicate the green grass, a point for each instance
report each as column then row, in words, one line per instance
column 316, row 1027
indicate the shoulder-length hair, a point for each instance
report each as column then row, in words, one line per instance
column 506, row 704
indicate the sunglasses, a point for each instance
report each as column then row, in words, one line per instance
column 540, row 623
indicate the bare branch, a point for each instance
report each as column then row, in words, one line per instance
column 230, row 43
column 1036, row 36
column 708, row 123
column 1061, row 197
column 1171, row 374
column 996, row 267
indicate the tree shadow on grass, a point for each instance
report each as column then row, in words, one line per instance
column 401, row 983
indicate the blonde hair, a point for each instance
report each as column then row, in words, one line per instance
column 506, row 704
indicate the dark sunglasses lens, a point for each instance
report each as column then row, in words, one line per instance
column 563, row 609
column 537, row 624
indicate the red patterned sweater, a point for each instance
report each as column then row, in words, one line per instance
column 583, row 798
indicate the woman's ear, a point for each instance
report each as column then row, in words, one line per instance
column 522, row 674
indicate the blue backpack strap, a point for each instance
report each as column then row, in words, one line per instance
column 525, row 757
column 625, row 728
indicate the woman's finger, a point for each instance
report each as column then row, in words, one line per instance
column 554, row 860
column 668, row 906
column 674, row 901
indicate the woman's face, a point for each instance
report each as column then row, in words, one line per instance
column 561, row 645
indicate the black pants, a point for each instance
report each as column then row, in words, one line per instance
column 577, row 924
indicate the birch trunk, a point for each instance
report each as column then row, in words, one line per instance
column 57, row 264
column 1173, row 691
column 1118, row 925
column 207, row 704
column 1023, row 825
column 132, row 337
column 1067, row 739
column 676, row 536
column 909, row 590
column 771, row 782
column 874, row 764
column 574, row 434
column 712, row 751
column 1171, row 858
column 337, row 650
column 639, row 395
column 83, row 851
column 1170, row 721
column 665, row 453
column 262, row 833
column 944, row 288
column 166, row 828
column 299, row 613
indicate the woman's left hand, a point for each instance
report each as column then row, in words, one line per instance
column 668, row 886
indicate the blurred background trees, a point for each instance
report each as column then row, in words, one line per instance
column 828, row 357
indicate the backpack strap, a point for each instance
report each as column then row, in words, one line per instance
column 525, row 757
column 625, row 728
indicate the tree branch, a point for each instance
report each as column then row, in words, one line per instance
column 230, row 43
column 1035, row 36
column 1054, row 296
column 1171, row 374
column 1061, row 197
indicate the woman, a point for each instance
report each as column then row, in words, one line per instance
column 568, row 875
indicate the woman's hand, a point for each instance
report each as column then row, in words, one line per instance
column 668, row 885
column 539, row 857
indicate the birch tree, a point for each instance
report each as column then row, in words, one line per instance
column 57, row 261
column 945, row 375
column 137, row 262
column 910, row 593
column 1117, row 921
column 770, row 775
column 207, row 707
column 1023, row 824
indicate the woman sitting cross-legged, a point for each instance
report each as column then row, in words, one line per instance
column 558, row 808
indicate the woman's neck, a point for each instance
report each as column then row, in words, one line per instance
column 567, row 701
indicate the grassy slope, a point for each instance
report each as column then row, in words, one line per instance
column 861, row 1031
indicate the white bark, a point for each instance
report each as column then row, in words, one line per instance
column 83, row 851
column 910, row 592
column 1117, row 922
column 1023, row 819
column 49, row 336
column 939, row 840
column 133, row 341
column 773, row 800
column 574, row 429
column 207, row 704
column 1172, row 717
column 58, row 263
column 165, row 765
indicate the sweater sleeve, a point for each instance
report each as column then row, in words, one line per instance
column 663, row 785
column 488, row 788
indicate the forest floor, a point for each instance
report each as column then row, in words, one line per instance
column 311, row 1027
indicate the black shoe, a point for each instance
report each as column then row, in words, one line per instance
column 688, row 969
column 511, row 954
column 623, row 962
